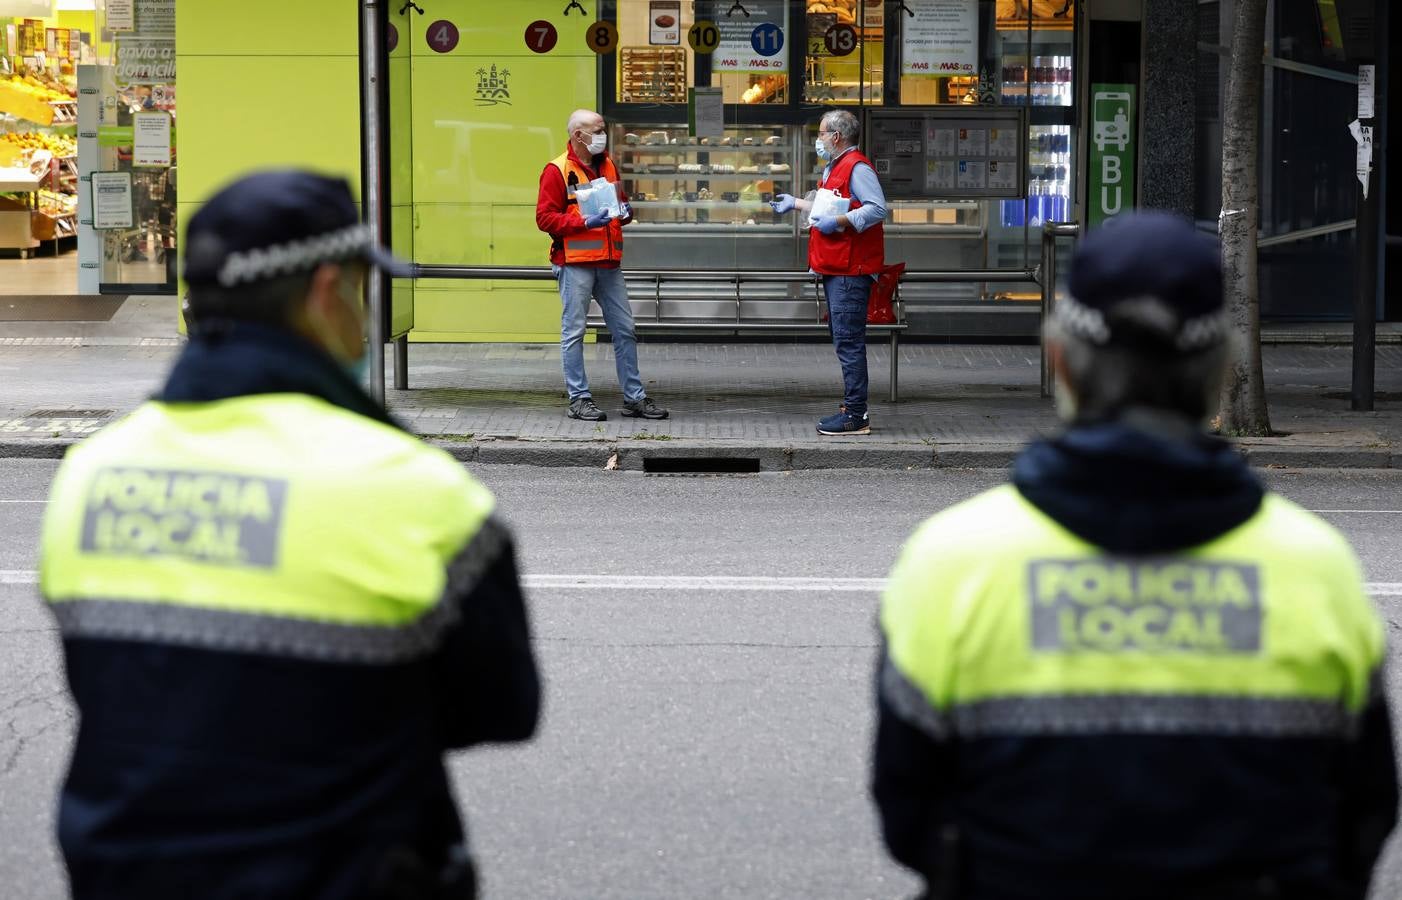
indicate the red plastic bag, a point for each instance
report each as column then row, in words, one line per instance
column 880, row 310
column 880, row 307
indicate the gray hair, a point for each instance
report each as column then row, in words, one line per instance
column 1108, row 379
column 578, row 118
column 842, row 122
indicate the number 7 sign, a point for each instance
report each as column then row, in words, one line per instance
column 541, row 36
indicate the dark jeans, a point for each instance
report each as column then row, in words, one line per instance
column 847, row 297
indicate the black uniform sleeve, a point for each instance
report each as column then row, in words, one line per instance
column 485, row 675
column 1369, row 808
column 910, row 766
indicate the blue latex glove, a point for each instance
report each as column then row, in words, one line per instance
column 827, row 224
column 782, row 203
column 599, row 218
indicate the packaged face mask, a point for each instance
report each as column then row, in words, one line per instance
column 827, row 203
column 597, row 196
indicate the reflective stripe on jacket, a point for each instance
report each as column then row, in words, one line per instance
column 1082, row 724
column 602, row 244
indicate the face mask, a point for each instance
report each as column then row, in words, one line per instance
column 821, row 149
column 355, row 369
column 358, row 369
column 597, row 143
column 1066, row 405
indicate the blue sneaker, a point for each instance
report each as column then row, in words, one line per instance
column 845, row 422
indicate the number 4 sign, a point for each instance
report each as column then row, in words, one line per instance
column 442, row 36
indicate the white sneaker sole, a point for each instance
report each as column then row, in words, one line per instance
column 866, row 430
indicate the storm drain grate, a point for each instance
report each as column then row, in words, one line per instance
column 700, row 465
column 69, row 414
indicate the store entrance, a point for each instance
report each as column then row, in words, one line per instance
column 87, row 150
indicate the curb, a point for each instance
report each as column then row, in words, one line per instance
column 633, row 456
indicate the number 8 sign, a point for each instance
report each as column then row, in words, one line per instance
column 602, row 37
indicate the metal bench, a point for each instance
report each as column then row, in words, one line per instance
column 716, row 302
column 746, row 302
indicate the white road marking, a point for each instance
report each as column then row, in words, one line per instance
column 761, row 583
column 1379, row 512
column 744, row 583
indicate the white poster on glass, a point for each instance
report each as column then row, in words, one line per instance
column 753, row 43
column 111, row 200
column 941, row 38
column 121, row 15
column 150, row 141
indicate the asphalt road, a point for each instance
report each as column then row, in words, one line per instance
column 708, row 711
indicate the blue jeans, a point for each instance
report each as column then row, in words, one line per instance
column 577, row 285
column 847, row 297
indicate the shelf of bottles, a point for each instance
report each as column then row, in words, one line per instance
column 1049, row 169
column 1042, row 81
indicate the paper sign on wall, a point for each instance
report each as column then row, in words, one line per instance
column 1366, row 77
column 941, row 38
column 705, row 112
column 664, row 22
column 150, row 142
column 121, row 15
column 111, row 200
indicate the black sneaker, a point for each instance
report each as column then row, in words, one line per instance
column 644, row 409
column 584, row 408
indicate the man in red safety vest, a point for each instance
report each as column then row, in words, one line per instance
column 845, row 248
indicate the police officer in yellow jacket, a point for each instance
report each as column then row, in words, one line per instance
column 278, row 608
column 1133, row 673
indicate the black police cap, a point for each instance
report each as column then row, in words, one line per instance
column 278, row 223
column 1146, row 278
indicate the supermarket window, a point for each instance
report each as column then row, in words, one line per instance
column 847, row 74
column 946, row 51
column 1034, row 52
column 751, row 64
column 655, row 65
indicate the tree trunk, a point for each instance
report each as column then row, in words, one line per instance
column 1244, row 391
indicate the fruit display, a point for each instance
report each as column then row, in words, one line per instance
column 57, row 205
column 59, row 145
column 48, row 92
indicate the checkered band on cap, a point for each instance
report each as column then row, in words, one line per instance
column 303, row 255
column 1087, row 324
column 1081, row 321
column 1203, row 331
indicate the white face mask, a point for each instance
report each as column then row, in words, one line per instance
column 597, row 143
column 821, row 149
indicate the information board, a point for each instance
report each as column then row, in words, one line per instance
column 949, row 154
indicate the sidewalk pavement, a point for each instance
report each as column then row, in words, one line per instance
column 962, row 405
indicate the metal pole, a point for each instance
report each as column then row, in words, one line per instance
column 401, row 363
column 372, row 145
column 1048, row 275
column 1365, row 297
